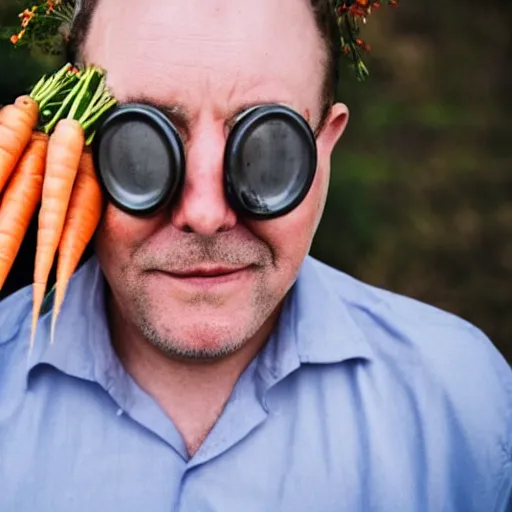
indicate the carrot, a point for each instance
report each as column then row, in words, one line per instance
column 25, row 103
column 65, row 148
column 83, row 216
column 29, row 105
column 17, row 122
column 21, row 198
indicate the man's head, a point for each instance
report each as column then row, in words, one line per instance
column 322, row 11
column 208, row 62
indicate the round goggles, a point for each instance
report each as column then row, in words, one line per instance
column 270, row 160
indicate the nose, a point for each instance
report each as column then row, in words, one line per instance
column 202, row 207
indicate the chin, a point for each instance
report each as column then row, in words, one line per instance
column 205, row 325
column 198, row 340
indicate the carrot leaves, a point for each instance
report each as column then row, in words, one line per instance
column 73, row 94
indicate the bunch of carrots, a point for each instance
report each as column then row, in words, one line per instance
column 45, row 161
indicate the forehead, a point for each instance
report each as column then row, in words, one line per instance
column 209, row 53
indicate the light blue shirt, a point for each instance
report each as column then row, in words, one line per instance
column 362, row 401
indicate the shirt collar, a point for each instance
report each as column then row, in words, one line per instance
column 326, row 329
column 315, row 327
column 81, row 347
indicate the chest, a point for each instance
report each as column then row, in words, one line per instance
column 303, row 450
column 128, row 469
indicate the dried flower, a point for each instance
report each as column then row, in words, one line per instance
column 15, row 38
column 350, row 14
column 44, row 24
column 27, row 15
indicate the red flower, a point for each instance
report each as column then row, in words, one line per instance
column 17, row 37
column 26, row 16
column 356, row 10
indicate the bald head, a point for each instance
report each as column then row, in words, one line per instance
column 221, row 51
column 320, row 10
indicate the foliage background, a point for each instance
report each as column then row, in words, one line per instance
column 421, row 189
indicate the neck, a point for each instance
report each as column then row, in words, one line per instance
column 192, row 393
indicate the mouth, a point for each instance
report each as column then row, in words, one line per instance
column 206, row 277
column 206, row 272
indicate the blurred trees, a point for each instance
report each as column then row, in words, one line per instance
column 421, row 188
column 420, row 201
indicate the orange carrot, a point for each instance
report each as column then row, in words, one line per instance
column 17, row 122
column 25, row 103
column 20, row 200
column 82, row 219
column 29, row 105
column 65, row 148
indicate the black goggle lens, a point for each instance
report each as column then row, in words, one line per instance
column 139, row 158
column 269, row 164
column 270, row 161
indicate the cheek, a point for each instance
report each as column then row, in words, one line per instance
column 291, row 236
column 120, row 234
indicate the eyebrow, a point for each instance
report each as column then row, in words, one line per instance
column 175, row 112
column 179, row 115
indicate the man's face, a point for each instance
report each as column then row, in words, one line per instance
column 197, row 280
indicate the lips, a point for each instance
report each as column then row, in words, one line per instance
column 206, row 279
column 206, row 272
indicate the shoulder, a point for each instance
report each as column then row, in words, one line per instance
column 428, row 349
column 14, row 311
column 407, row 322
column 433, row 377
column 15, row 318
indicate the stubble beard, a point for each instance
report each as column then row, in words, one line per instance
column 222, row 341
column 200, row 340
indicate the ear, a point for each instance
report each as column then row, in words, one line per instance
column 332, row 130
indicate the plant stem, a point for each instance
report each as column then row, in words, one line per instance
column 94, row 100
column 81, row 95
column 43, row 102
column 46, row 87
column 37, row 87
column 82, row 92
column 99, row 113
column 60, row 113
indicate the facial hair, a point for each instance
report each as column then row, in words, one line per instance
column 195, row 251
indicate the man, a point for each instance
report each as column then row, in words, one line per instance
column 202, row 360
